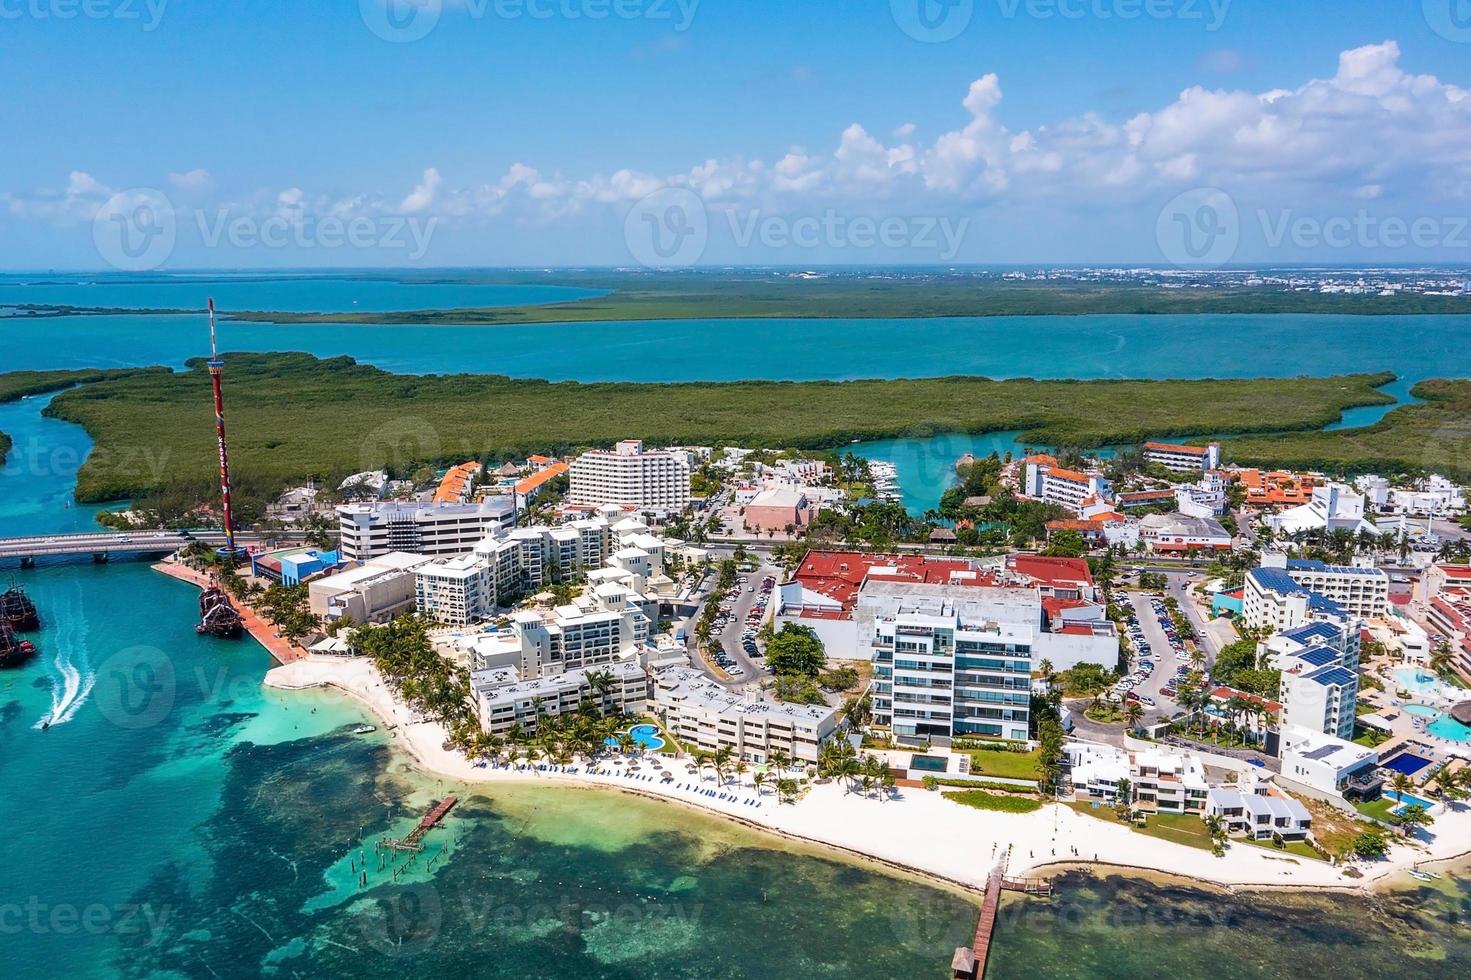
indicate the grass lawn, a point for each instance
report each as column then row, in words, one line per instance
column 1007, row 765
column 1379, row 809
column 1181, row 828
column 990, row 801
column 1296, row 848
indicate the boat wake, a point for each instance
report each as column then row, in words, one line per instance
column 72, row 677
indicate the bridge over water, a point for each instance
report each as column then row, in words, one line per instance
column 101, row 545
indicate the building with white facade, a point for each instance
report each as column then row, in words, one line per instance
column 1179, row 533
column 1333, row 507
column 1329, row 764
column 455, row 591
column 632, row 476
column 1206, row 498
column 369, row 530
column 938, row 675
column 702, row 713
column 1158, row 780
column 1054, row 484
column 1316, row 693
column 1183, row 459
column 1251, row 809
column 1284, row 593
column 373, row 592
column 505, row 701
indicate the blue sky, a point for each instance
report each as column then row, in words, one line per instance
column 517, row 134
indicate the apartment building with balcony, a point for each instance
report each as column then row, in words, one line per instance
column 938, row 676
column 630, row 475
column 1183, row 459
column 702, row 713
column 371, row 530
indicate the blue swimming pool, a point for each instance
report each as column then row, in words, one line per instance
column 1449, row 729
column 644, row 736
column 1421, row 710
column 1406, row 799
column 1407, row 762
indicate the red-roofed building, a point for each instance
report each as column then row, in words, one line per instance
column 1064, row 578
column 831, row 579
column 1183, row 459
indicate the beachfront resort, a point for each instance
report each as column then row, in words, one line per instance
column 1157, row 661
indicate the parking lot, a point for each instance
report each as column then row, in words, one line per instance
column 740, row 614
column 1160, row 657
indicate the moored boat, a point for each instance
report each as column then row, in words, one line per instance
column 18, row 611
column 217, row 617
column 13, row 650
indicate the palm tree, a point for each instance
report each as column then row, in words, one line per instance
column 1133, row 714
column 759, row 781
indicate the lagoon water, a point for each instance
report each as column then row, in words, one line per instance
column 177, row 820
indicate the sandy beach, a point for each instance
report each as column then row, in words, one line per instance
column 957, row 844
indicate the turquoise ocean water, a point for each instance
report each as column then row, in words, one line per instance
column 177, row 820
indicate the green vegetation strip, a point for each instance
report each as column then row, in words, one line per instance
column 23, row 384
column 293, row 416
column 989, row 801
column 754, row 295
column 1434, row 435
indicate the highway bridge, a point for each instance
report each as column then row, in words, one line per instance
column 101, row 545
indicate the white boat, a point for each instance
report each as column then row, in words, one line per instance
column 363, row 729
column 1419, row 875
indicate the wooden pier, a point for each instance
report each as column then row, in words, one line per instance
column 412, row 841
column 970, row 963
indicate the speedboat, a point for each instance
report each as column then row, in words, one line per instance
column 1419, row 875
column 363, row 729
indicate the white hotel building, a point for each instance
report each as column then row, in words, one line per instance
column 629, row 475
column 1068, row 488
column 938, row 676
column 370, row 530
column 700, row 712
column 1183, row 459
column 505, row 701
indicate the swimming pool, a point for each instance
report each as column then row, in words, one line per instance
column 1406, row 799
column 1407, row 762
column 1449, row 729
column 929, row 763
column 644, row 736
column 1421, row 711
column 1421, row 682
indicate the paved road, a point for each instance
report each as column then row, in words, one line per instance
column 731, row 638
column 1162, row 655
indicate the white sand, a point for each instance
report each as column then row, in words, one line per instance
column 915, row 829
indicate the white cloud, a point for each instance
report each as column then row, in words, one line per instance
column 1369, row 130
column 195, row 180
column 421, row 198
